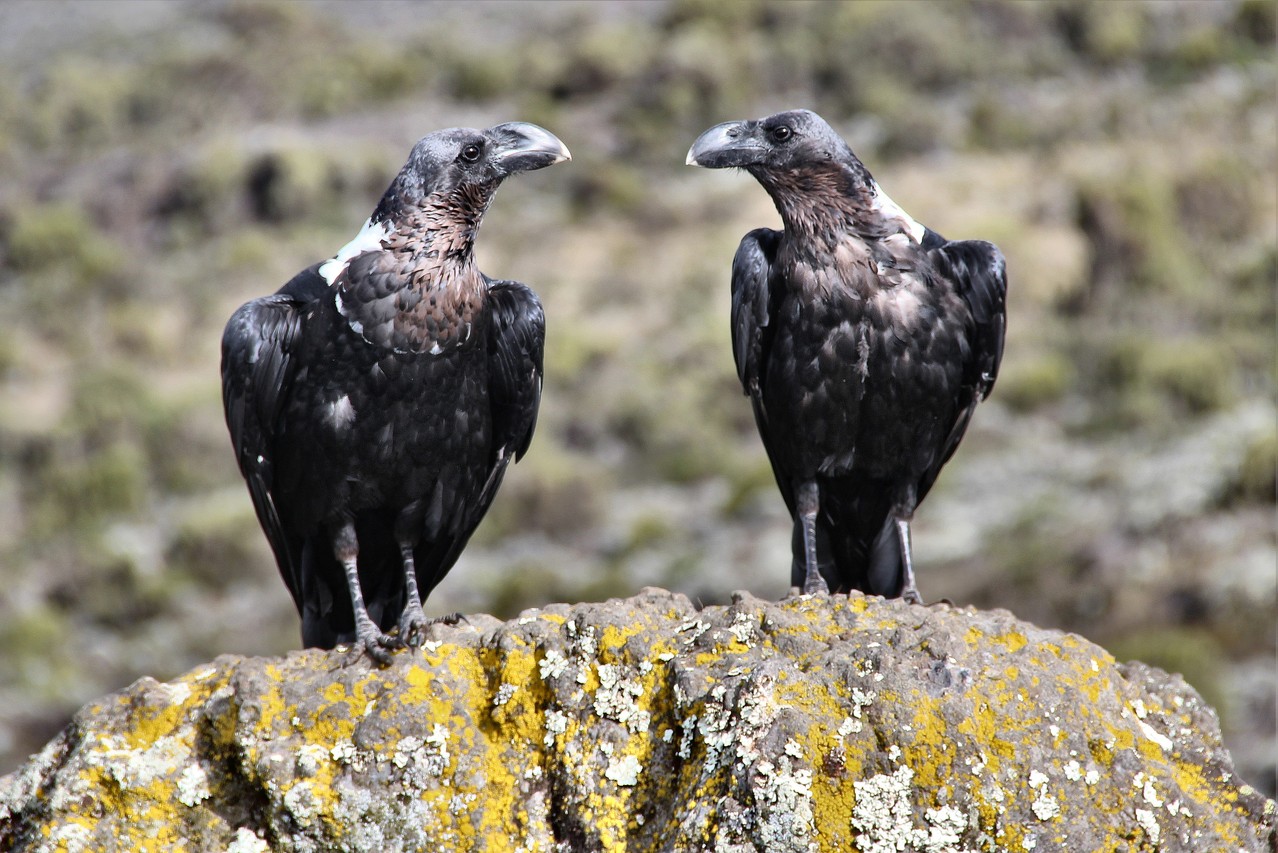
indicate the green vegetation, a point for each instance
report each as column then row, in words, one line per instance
column 1120, row 154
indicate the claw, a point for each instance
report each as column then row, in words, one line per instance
column 375, row 644
column 814, row 584
column 412, row 625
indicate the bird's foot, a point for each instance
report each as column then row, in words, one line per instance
column 911, row 595
column 375, row 644
column 814, row 584
column 412, row 625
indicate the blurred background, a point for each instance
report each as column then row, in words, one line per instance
column 164, row 162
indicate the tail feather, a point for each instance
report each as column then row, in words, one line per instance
column 886, row 570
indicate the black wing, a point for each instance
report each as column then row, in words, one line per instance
column 516, row 339
column 754, row 304
column 977, row 271
column 257, row 374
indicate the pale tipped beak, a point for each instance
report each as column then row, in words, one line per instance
column 523, row 147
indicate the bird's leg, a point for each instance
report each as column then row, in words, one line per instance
column 413, row 620
column 909, row 591
column 807, row 504
column 367, row 634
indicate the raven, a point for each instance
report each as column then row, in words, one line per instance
column 375, row 400
column 864, row 341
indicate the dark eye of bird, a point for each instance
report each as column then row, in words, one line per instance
column 781, row 133
column 470, row 153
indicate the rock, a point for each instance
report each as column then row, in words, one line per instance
column 828, row 724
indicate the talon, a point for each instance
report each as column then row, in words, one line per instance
column 911, row 596
column 375, row 644
column 412, row 626
column 815, row 584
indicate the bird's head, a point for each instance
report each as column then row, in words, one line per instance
column 473, row 160
column 794, row 139
column 812, row 175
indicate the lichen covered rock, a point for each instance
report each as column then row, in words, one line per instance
column 813, row 724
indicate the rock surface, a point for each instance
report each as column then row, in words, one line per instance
column 828, row 724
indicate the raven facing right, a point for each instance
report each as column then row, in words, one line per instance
column 376, row 400
column 864, row 340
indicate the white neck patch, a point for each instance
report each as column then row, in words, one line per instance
column 369, row 239
column 891, row 210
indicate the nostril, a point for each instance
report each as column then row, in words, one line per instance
column 734, row 132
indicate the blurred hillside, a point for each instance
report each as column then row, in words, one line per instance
column 164, row 162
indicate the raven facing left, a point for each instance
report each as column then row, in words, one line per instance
column 375, row 401
column 864, row 340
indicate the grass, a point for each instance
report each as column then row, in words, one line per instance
column 1121, row 156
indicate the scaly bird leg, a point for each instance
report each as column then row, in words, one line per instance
column 807, row 505
column 412, row 622
column 909, row 591
column 367, row 634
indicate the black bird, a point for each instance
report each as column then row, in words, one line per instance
column 864, row 341
column 376, row 399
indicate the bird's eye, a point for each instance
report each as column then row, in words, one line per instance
column 470, row 153
column 781, row 133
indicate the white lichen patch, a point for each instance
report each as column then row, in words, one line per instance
column 552, row 665
column 783, row 800
column 1045, row 806
column 1162, row 740
column 422, row 760
column 694, row 628
column 1073, row 770
column 883, row 818
column 556, row 724
column 689, row 727
column 301, row 803
column 618, row 699
column 461, row 804
column 1148, row 790
column 504, row 692
column 945, row 828
column 1148, row 822
column 742, row 628
column 247, row 841
column 345, row 752
column 624, row 770
column 853, row 724
column 193, row 786
column 138, row 768
column 308, row 759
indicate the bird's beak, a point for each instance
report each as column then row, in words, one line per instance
column 522, row 147
column 733, row 143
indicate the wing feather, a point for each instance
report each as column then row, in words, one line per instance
column 257, row 376
column 516, row 341
column 978, row 272
column 754, row 305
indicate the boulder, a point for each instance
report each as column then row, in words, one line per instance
column 648, row 724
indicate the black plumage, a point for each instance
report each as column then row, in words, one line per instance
column 375, row 401
column 864, row 341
